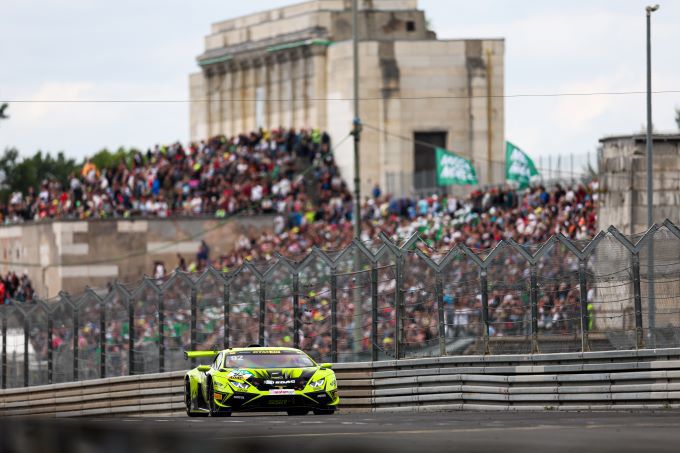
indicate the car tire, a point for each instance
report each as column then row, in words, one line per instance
column 187, row 401
column 214, row 409
column 324, row 411
column 297, row 411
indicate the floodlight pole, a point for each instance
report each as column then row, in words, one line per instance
column 356, row 131
column 651, row 305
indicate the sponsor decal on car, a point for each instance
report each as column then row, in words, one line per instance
column 239, row 374
column 282, row 392
column 281, row 382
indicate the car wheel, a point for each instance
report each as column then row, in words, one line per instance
column 297, row 411
column 214, row 408
column 324, row 411
column 187, row 401
column 187, row 397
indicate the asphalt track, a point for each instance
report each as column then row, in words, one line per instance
column 389, row 432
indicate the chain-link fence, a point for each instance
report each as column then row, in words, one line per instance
column 369, row 301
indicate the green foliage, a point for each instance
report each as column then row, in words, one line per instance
column 20, row 174
column 31, row 171
column 677, row 117
column 108, row 159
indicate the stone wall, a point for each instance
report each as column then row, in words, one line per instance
column 623, row 181
column 68, row 255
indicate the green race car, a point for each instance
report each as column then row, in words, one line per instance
column 259, row 379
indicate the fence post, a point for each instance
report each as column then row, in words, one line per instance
column 76, row 334
column 439, row 294
column 194, row 316
column 533, row 295
column 484, row 283
column 102, row 340
column 637, row 294
column 227, row 313
column 583, row 289
column 161, row 332
column 374, row 310
column 26, row 340
column 50, row 349
column 263, row 310
column 296, row 309
column 399, row 306
column 131, row 337
column 4, row 352
column 334, row 314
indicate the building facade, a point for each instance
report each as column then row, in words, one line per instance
column 70, row 255
column 623, row 181
column 292, row 67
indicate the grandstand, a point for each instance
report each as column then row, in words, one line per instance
column 292, row 175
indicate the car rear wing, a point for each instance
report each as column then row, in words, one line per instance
column 196, row 354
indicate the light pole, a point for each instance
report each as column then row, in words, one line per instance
column 356, row 131
column 651, row 305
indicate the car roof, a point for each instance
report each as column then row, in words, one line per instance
column 262, row 348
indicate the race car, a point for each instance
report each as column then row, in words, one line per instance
column 259, row 379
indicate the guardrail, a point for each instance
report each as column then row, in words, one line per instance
column 618, row 380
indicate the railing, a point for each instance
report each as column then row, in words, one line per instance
column 367, row 302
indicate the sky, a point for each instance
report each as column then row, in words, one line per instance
column 132, row 50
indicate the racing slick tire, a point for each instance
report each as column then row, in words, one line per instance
column 324, row 411
column 187, row 402
column 297, row 411
column 214, row 408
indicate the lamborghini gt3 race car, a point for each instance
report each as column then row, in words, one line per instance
column 259, row 379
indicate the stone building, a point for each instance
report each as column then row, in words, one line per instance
column 69, row 255
column 623, row 181
column 292, row 67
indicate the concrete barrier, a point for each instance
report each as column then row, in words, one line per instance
column 615, row 380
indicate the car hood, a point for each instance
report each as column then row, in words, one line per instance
column 272, row 377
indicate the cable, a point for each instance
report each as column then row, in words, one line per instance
column 370, row 98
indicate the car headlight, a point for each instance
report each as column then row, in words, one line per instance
column 317, row 384
column 240, row 385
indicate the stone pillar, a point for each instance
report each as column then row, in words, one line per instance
column 208, row 101
column 286, row 84
column 294, row 89
column 267, row 82
column 306, row 69
column 248, row 93
column 318, row 87
column 227, row 108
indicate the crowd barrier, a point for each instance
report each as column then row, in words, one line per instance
column 369, row 301
column 613, row 380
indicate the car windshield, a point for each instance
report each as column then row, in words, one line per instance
column 267, row 359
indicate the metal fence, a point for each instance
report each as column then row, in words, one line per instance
column 369, row 301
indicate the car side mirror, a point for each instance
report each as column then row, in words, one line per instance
column 326, row 366
column 203, row 368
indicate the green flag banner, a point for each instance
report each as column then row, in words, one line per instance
column 518, row 166
column 453, row 169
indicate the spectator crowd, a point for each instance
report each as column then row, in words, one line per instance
column 293, row 176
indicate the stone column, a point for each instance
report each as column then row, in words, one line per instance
column 318, row 87
column 226, row 100
column 267, row 78
column 209, row 75
column 294, row 89
column 306, row 85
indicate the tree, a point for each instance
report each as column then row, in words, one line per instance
column 107, row 159
column 32, row 171
column 677, row 117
